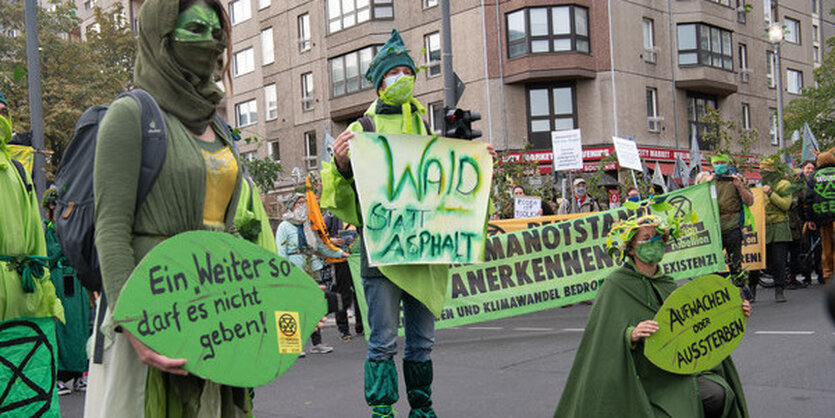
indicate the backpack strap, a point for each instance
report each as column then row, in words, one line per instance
column 154, row 141
column 367, row 123
column 21, row 170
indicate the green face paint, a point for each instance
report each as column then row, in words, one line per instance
column 5, row 130
column 199, row 22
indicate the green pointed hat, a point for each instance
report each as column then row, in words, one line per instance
column 720, row 158
column 392, row 54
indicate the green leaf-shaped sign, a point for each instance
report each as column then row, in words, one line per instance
column 699, row 325
column 236, row 312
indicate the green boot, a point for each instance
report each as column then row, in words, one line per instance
column 381, row 387
column 418, row 377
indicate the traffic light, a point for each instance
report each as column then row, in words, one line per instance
column 458, row 123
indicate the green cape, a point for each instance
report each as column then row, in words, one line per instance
column 610, row 378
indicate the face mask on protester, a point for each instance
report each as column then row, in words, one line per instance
column 652, row 251
column 5, row 130
column 399, row 89
column 580, row 191
column 300, row 213
column 198, row 40
column 721, row 169
column 634, row 199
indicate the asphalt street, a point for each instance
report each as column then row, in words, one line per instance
column 517, row 367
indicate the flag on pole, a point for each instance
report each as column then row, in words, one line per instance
column 658, row 178
column 695, row 159
column 680, row 171
column 809, row 143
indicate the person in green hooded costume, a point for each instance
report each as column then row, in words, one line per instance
column 420, row 288
column 72, row 336
column 778, row 235
column 611, row 376
column 25, row 288
column 179, row 44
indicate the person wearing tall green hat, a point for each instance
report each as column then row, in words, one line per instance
column 419, row 288
column 610, row 375
column 778, row 235
column 179, row 44
column 732, row 197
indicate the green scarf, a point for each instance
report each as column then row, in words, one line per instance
column 383, row 108
column 185, row 95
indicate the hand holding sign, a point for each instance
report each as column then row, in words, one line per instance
column 219, row 307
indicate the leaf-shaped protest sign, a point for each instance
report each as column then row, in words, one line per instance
column 236, row 312
column 699, row 325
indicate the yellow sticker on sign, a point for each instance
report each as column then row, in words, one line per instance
column 289, row 335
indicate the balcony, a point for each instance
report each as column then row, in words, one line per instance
column 706, row 80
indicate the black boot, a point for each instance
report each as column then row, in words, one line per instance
column 418, row 377
column 778, row 294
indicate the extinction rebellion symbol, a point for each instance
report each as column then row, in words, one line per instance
column 682, row 205
column 27, row 369
column 287, row 325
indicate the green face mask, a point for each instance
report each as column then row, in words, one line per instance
column 5, row 130
column 197, row 23
column 198, row 40
column 651, row 252
column 399, row 92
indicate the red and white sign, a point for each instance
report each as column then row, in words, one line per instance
column 614, row 196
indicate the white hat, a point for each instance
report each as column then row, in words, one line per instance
column 579, row 180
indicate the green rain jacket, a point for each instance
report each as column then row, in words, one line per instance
column 21, row 234
column 776, row 213
column 611, row 376
column 425, row 282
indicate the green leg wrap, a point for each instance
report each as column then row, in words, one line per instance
column 381, row 387
column 418, row 377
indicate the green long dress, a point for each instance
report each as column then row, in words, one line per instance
column 612, row 377
column 72, row 336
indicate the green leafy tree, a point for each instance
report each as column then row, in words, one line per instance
column 726, row 137
column 74, row 74
column 816, row 106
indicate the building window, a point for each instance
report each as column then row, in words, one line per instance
column 436, row 117
column 741, row 14
column 304, row 32
column 772, row 126
column 550, row 108
column 743, row 63
column 274, row 149
column 722, row 2
column 697, row 105
column 653, row 121
column 548, row 29
column 307, row 92
column 348, row 71
column 746, row 117
column 267, row 48
column 239, row 10
column 814, row 7
column 815, row 33
column 343, row 14
column 249, row 156
column 271, row 102
column 310, row 150
column 767, row 12
column 700, row 44
column 247, row 113
column 648, row 27
column 792, row 32
column 769, row 69
column 816, row 52
column 432, row 43
column 244, row 62
column 429, row 3
column 263, row 4
column 794, row 81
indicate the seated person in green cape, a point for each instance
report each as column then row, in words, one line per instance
column 611, row 376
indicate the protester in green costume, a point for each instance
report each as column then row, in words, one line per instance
column 778, row 235
column 611, row 376
column 420, row 288
column 72, row 336
column 198, row 188
column 25, row 288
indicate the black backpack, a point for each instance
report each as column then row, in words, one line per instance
column 74, row 209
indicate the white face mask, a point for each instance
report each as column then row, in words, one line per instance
column 300, row 212
column 390, row 80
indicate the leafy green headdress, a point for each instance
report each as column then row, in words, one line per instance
column 623, row 231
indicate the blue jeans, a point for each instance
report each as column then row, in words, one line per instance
column 383, row 298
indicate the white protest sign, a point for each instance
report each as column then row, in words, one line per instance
column 627, row 153
column 526, row 207
column 568, row 149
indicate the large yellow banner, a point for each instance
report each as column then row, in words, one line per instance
column 753, row 240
